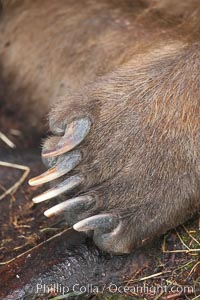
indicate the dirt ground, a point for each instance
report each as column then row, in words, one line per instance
column 23, row 225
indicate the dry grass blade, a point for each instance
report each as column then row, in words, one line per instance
column 6, row 140
column 193, row 268
column 35, row 247
column 15, row 187
column 192, row 237
column 195, row 298
column 151, row 276
column 187, row 250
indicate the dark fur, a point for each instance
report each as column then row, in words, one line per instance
column 133, row 68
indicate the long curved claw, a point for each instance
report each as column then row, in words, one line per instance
column 104, row 222
column 47, row 176
column 75, row 134
column 79, row 203
column 61, row 188
column 64, row 165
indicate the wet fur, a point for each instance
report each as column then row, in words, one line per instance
column 133, row 68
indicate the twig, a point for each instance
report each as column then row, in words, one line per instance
column 193, row 268
column 189, row 250
column 151, row 276
column 181, row 251
column 172, row 296
column 185, row 265
column 15, row 187
column 158, row 296
column 35, row 247
column 195, row 298
column 192, row 237
column 6, row 140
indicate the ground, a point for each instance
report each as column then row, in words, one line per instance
column 173, row 260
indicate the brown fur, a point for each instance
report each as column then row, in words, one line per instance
column 133, row 68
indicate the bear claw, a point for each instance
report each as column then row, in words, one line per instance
column 76, row 205
column 65, row 186
column 103, row 222
column 63, row 166
column 74, row 135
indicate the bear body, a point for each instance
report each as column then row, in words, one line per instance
column 122, row 81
